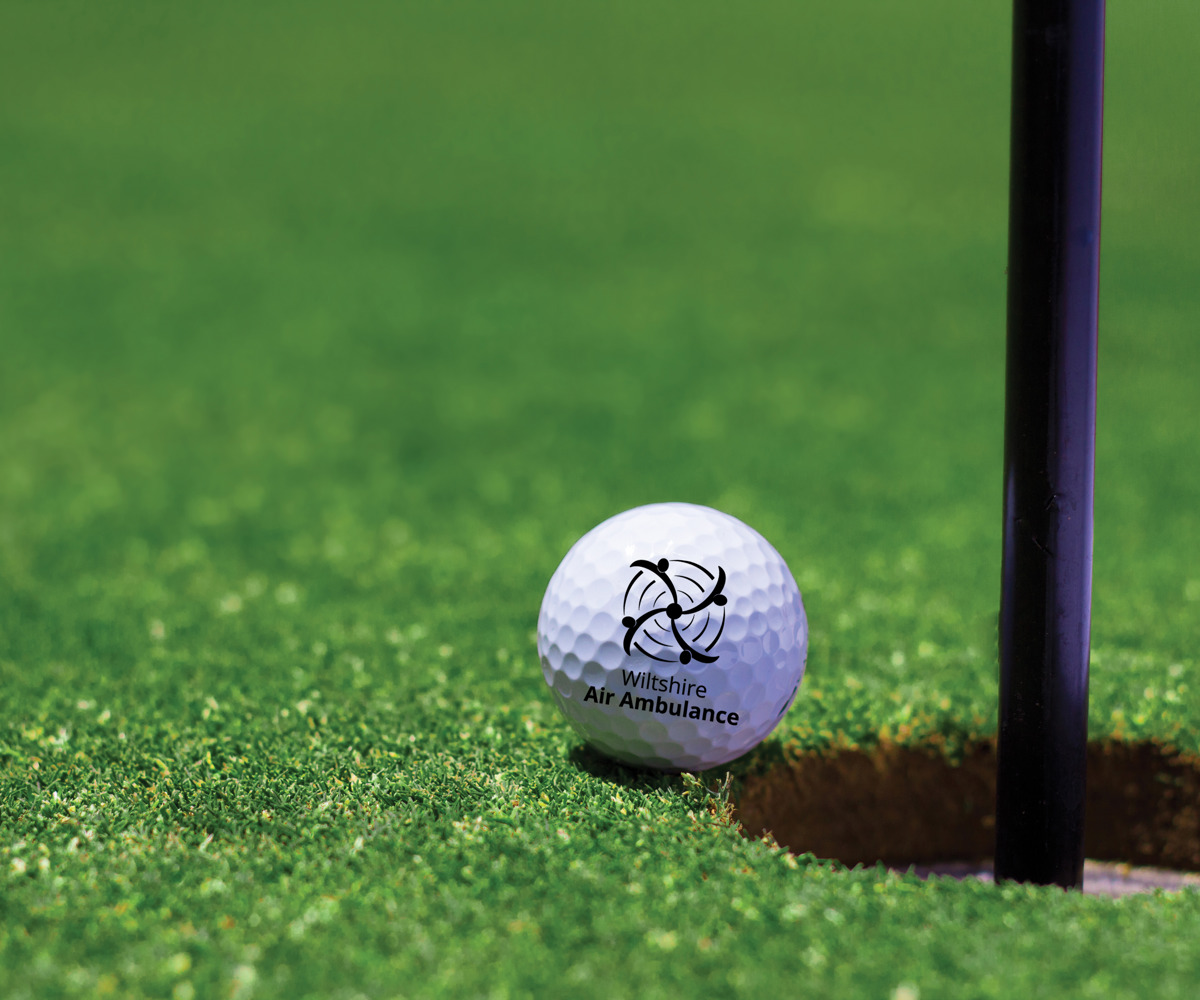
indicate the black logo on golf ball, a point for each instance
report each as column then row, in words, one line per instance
column 674, row 610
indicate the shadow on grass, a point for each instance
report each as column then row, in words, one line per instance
column 758, row 760
column 607, row 769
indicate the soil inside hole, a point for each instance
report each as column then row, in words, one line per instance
column 911, row 805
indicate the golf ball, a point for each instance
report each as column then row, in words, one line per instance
column 673, row 637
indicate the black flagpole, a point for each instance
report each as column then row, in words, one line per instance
column 1049, row 450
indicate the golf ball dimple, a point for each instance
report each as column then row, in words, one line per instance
column 673, row 636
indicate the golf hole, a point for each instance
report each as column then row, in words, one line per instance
column 912, row 806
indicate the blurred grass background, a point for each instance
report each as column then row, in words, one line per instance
column 276, row 276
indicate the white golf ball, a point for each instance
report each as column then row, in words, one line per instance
column 673, row 636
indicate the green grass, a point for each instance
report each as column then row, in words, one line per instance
column 325, row 330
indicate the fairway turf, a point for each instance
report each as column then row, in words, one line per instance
column 325, row 331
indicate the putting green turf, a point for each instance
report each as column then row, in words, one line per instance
column 325, row 330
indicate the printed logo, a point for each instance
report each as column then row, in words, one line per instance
column 674, row 610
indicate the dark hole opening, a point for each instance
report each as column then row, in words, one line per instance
column 911, row 805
